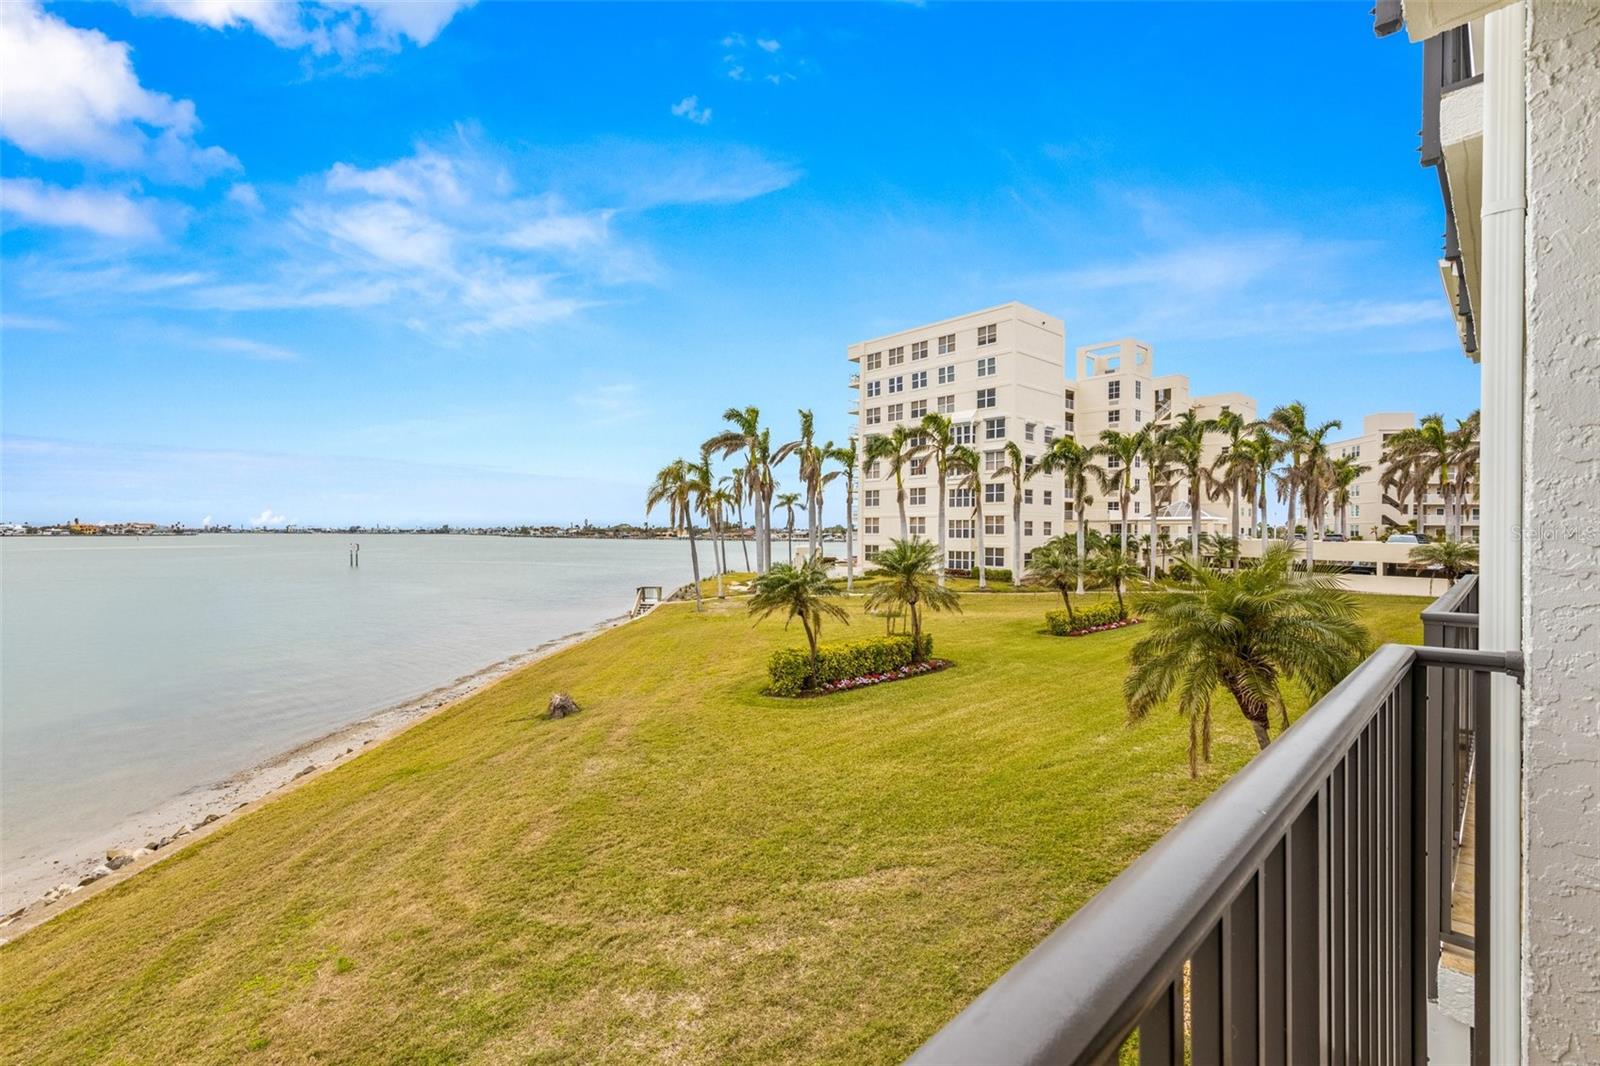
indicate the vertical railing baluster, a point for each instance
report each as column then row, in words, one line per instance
column 1380, row 896
column 1274, row 941
column 1161, row 1028
column 1436, row 833
column 1418, row 933
column 1339, row 920
column 1369, row 893
column 1241, row 976
column 1361, row 989
column 1205, row 999
column 1304, row 936
column 1481, row 959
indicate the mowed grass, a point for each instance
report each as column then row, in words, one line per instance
column 688, row 871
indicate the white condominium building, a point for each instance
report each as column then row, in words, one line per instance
column 998, row 375
column 1117, row 389
column 1376, row 511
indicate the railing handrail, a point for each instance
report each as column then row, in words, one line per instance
column 1448, row 608
column 1139, row 929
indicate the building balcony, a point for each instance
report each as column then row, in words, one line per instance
column 855, row 381
column 1309, row 911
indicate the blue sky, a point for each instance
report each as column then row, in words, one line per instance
column 421, row 263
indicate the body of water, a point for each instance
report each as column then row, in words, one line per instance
column 134, row 670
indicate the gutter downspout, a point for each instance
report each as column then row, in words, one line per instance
column 1502, row 339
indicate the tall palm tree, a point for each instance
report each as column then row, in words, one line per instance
column 967, row 464
column 1463, row 463
column 1155, row 452
column 1453, row 557
column 734, row 483
column 1344, row 472
column 1018, row 470
column 810, row 457
column 1057, row 566
column 1231, row 471
column 748, row 436
column 1077, row 468
column 1185, row 442
column 1288, row 423
column 1315, row 478
column 908, row 580
column 1246, row 630
column 1113, row 566
column 676, row 485
column 939, row 432
column 1120, row 450
column 802, row 592
column 846, row 458
column 788, row 501
column 897, row 449
column 1263, row 451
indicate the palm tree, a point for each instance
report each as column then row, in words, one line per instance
column 1018, row 469
column 676, row 485
column 1246, row 630
column 734, row 483
column 846, row 457
column 968, row 465
column 1232, row 470
column 909, row 581
column 1185, row 442
column 1156, row 453
column 897, row 449
column 1054, row 565
column 1464, row 452
column 748, row 436
column 1077, row 467
column 1343, row 473
column 1288, row 422
column 1263, row 452
column 1115, row 567
column 802, row 592
column 810, row 456
column 1315, row 480
column 1454, row 557
column 788, row 501
column 1120, row 450
column 939, row 432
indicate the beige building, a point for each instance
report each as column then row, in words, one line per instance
column 1117, row 388
column 1376, row 511
column 997, row 374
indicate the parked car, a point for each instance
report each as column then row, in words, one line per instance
column 1405, row 538
column 1333, row 538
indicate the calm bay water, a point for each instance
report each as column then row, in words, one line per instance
column 132, row 670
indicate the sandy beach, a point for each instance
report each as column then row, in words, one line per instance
column 37, row 891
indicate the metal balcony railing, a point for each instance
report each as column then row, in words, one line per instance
column 1291, row 918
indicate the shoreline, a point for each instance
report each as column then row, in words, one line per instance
column 29, row 897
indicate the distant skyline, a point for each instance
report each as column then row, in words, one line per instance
column 423, row 263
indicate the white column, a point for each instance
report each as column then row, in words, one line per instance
column 1500, row 596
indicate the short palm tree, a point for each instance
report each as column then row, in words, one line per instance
column 1120, row 450
column 678, row 486
column 897, row 449
column 910, row 580
column 788, row 501
column 1453, row 557
column 1077, row 467
column 1056, row 565
column 1247, row 631
column 802, row 592
column 1114, row 567
column 940, row 434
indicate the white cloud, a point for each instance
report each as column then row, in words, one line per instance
column 689, row 108
column 254, row 349
column 244, row 194
column 268, row 520
column 744, row 60
column 107, row 212
column 73, row 94
column 32, row 322
column 344, row 28
column 767, row 44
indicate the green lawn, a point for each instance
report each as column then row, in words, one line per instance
column 687, row 871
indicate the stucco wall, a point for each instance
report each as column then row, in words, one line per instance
column 1561, row 765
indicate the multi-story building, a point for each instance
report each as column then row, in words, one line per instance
column 1375, row 510
column 997, row 374
column 1117, row 388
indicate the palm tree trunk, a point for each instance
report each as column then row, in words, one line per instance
column 1122, row 609
column 716, row 557
column 694, row 561
column 983, row 575
column 811, row 640
column 1253, row 708
column 1194, row 771
column 789, row 532
column 1262, row 531
column 941, row 529
column 916, row 632
column 850, row 534
column 1205, row 736
column 900, row 499
column 1127, row 541
column 1233, row 519
column 1066, row 599
column 744, row 542
column 1083, row 543
column 1194, row 520
column 1152, row 569
column 1016, row 537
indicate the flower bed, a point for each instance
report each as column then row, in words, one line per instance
column 1096, row 619
column 926, row 666
column 1119, row 624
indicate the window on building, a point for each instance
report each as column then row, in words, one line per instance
column 919, row 466
column 1113, row 416
column 959, row 560
column 919, row 350
column 874, row 388
column 897, row 384
column 1114, row 506
column 986, row 367
column 1138, row 505
column 961, row 528
column 870, row 552
column 961, row 499
column 1027, row 496
column 1113, row 462
column 947, row 374
column 1047, row 529
column 1113, row 391
column 874, row 415
column 1047, row 497
column 986, row 334
column 947, row 344
column 1027, row 529
column 874, row 360
column 962, row 433
column 919, row 379
column 993, row 461
column 897, row 411
column 897, row 355
column 1070, row 425
column 1068, row 400
column 917, row 525
column 1028, row 430
column 986, row 398
column 918, row 496
column 995, row 493
column 946, row 405
column 994, row 525
column 870, row 498
column 1138, row 390
column 870, row 470
column 919, row 408
column 995, row 557
column 994, row 429
column 1138, row 416
column 869, row 525
column 1049, row 434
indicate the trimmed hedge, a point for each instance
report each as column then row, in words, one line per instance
column 790, row 668
column 1098, row 614
column 990, row 573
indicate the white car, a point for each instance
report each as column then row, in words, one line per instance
column 1405, row 538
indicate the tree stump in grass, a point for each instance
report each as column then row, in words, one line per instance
column 562, row 705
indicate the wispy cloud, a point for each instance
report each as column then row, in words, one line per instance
column 689, row 108
column 253, row 349
column 106, row 212
column 333, row 28
column 72, row 94
column 32, row 322
column 761, row 59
